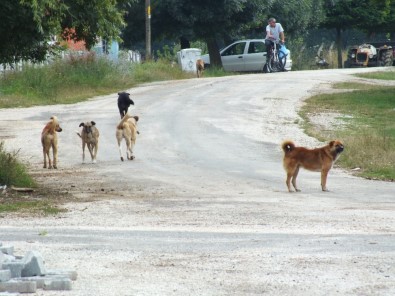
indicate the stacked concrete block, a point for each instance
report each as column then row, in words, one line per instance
column 27, row 274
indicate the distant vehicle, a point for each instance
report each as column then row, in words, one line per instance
column 377, row 54
column 245, row 56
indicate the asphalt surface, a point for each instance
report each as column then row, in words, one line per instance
column 203, row 209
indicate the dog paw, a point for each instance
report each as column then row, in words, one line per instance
column 121, row 158
column 131, row 157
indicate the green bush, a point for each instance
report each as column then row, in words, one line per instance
column 12, row 172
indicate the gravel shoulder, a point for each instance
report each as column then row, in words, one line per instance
column 203, row 209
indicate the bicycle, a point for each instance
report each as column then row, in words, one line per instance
column 276, row 60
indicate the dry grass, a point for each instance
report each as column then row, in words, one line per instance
column 367, row 129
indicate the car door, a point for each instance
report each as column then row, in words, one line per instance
column 255, row 58
column 233, row 57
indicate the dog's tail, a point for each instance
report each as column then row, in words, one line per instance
column 78, row 133
column 288, row 146
column 123, row 120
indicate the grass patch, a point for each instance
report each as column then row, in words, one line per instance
column 368, row 132
column 12, row 171
column 355, row 86
column 387, row 75
column 78, row 78
column 21, row 205
column 217, row 72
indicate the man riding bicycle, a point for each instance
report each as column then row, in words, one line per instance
column 274, row 33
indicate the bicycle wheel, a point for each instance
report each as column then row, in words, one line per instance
column 271, row 65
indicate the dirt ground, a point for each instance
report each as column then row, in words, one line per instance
column 203, row 209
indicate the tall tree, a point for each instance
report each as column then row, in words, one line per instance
column 27, row 25
column 220, row 20
column 358, row 14
column 297, row 16
column 191, row 19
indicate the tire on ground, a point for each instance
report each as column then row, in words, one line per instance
column 386, row 58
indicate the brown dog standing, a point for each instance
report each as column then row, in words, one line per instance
column 90, row 137
column 127, row 129
column 199, row 67
column 49, row 139
column 318, row 159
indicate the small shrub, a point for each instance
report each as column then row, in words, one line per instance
column 12, row 172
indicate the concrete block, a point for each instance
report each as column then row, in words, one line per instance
column 58, row 284
column 34, row 264
column 8, row 258
column 9, row 250
column 5, row 275
column 15, row 267
column 71, row 274
column 14, row 286
column 38, row 279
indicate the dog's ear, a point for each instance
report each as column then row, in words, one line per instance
column 136, row 118
column 93, row 123
column 128, row 94
column 82, row 124
column 119, row 93
column 331, row 143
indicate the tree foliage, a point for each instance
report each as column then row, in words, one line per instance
column 367, row 15
column 218, row 21
column 27, row 25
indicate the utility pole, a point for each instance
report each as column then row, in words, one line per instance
column 147, row 29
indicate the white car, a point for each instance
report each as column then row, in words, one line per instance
column 245, row 56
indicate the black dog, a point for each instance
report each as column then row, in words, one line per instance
column 124, row 102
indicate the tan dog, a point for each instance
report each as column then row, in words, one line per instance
column 199, row 67
column 318, row 159
column 127, row 129
column 49, row 139
column 90, row 137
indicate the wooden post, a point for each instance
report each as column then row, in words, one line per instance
column 147, row 29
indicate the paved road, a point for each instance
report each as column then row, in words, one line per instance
column 203, row 209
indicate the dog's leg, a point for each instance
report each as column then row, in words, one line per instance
column 132, row 142
column 45, row 158
column 90, row 148
column 95, row 152
column 49, row 160
column 83, row 151
column 120, row 149
column 295, row 174
column 324, row 176
column 55, row 156
column 128, row 147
